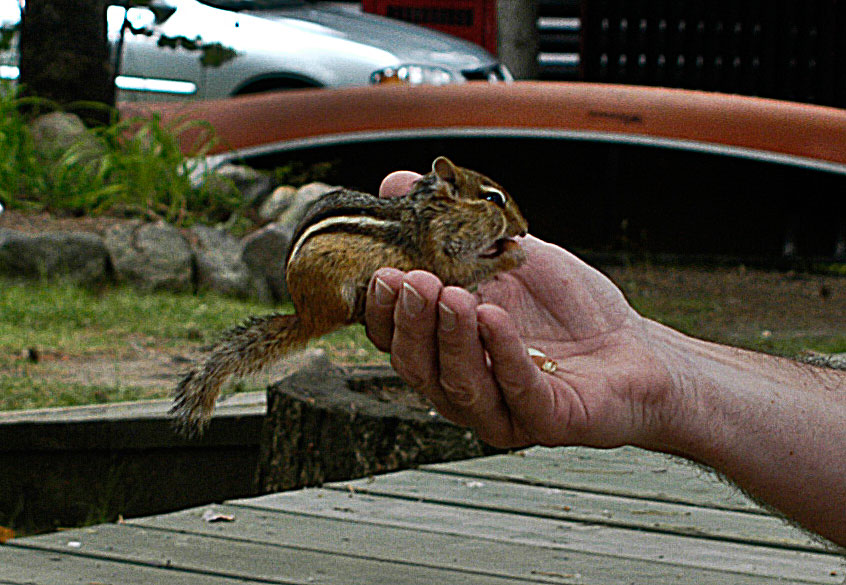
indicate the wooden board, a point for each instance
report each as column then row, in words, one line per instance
column 504, row 519
column 668, row 551
column 34, row 567
column 251, row 558
column 542, row 501
column 353, row 525
column 626, row 472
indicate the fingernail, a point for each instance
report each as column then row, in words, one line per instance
column 447, row 318
column 483, row 329
column 459, row 397
column 383, row 294
column 412, row 302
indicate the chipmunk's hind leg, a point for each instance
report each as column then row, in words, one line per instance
column 244, row 350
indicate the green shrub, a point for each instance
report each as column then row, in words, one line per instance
column 139, row 169
column 144, row 157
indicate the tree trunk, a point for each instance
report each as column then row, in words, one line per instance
column 327, row 424
column 65, row 55
column 517, row 36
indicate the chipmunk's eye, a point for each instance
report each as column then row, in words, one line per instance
column 493, row 195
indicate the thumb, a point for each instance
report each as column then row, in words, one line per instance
column 397, row 184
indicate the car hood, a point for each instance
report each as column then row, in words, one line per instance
column 410, row 44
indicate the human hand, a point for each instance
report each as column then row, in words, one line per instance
column 468, row 352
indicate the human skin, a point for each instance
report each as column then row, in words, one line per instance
column 775, row 427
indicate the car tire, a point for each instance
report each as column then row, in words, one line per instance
column 276, row 84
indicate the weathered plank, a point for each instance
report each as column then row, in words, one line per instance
column 624, row 472
column 568, row 504
column 511, row 519
column 250, row 561
column 669, row 550
column 465, row 553
column 32, row 567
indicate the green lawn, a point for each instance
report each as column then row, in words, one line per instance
column 63, row 324
column 49, row 332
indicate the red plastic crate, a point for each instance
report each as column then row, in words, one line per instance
column 473, row 20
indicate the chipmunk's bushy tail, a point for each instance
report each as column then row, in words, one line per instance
column 244, row 350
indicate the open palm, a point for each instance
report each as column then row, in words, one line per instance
column 607, row 376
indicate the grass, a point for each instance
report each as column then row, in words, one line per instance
column 773, row 312
column 67, row 325
column 134, row 166
column 137, row 167
column 64, row 324
column 695, row 317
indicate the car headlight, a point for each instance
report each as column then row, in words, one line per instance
column 412, row 75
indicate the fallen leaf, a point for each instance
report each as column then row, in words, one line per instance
column 6, row 534
column 212, row 516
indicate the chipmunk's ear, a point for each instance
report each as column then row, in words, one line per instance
column 444, row 169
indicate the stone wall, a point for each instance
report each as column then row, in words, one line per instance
column 155, row 256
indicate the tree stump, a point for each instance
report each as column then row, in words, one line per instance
column 326, row 423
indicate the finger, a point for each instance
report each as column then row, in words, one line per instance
column 413, row 349
column 379, row 306
column 532, row 413
column 469, row 392
column 397, row 184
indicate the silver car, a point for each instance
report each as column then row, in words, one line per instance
column 277, row 44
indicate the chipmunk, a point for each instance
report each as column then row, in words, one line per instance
column 455, row 223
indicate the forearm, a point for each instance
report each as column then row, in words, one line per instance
column 774, row 426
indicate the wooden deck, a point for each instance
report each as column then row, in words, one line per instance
column 575, row 516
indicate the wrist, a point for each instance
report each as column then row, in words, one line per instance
column 771, row 425
column 681, row 394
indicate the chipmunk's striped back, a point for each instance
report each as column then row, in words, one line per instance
column 348, row 212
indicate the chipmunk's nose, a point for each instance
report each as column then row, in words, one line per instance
column 522, row 228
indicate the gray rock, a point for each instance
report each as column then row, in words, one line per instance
column 253, row 186
column 219, row 266
column 264, row 254
column 77, row 256
column 276, row 203
column 151, row 256
column 56, row 133
column 217, row 187
column 306, row 196
column 265, row 250
column 829, row 360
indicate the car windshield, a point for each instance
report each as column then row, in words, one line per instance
column 253, row 4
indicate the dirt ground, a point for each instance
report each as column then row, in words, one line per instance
column 762, row 309
column 745, row 307
column 44, row 222
column 731, row 305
